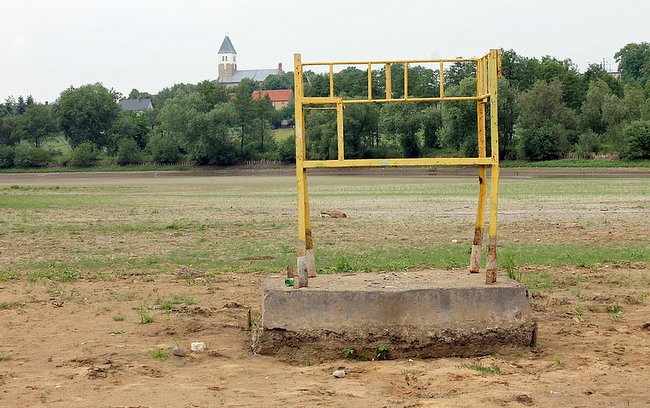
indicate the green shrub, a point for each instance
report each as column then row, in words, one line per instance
column 40, row 157
column 128, row 152
column 22, row 156
column 637, row 140
column 83, row 155
column 287, row 150
column 164, row 149
column 6, row 157
column 543, row 142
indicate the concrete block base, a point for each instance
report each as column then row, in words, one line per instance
column 428, row 313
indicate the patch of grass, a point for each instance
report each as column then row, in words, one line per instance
column 508, row 261
column 119, row 317
column 615, row 311
column 483, row 370
column 282, row 134
column 538, row 280
column 577, row 313
column 6, row 276
column 99, row 169
column 177, row 225
column 10, row 305
column 6, row 357
column 168, row 304
column 577, row 163
column 159, row 354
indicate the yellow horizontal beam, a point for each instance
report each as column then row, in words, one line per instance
column 376, row 62
column 424, row 161
column 311, row 100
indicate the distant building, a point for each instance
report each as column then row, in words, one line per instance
column 230, row 76
column 136, row 105
column 279, row 97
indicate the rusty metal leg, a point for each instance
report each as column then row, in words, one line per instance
column 305, row 262
column 491, row 270
column 477, row 244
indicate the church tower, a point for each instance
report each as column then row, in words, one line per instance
column 227, row 58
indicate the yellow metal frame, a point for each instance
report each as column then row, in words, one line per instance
column 488, row 70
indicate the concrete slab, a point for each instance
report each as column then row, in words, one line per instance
column 427, row 313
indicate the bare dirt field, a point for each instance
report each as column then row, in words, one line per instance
column 101, row 276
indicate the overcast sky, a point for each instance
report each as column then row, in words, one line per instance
column 46, row 46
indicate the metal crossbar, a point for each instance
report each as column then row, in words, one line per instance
column 488, row 70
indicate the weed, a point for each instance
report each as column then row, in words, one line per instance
column 639, row 299
column 350, row 352
column 145, row 318
column 615, row 311
column 511, row 267
column 119, row 317
column 483, row 370
column 6, row 276
column 6, row 357
column 558, row 361
column 382, row 352
column 169, row 304
column 159, row 354
column 308, row 359
column 577, row 313
column 364, row 356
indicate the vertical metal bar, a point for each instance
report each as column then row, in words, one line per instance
column 477, row 244
column 493, row 68
column 331, row 80
column 305, row 244
column 389, row 83
column 339, row 130
column 442, row 79
column 369, row 81
column 406, row 80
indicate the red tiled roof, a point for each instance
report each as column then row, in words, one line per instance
column 275, row 95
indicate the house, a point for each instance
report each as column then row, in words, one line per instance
column 279, row 97
column 230, row 76
column 136, row 105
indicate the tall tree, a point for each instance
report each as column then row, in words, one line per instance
column 87, row 113
column 35, row 124
column 634, row 63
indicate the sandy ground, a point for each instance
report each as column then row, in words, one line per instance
column 68, row 351
column 84, row 344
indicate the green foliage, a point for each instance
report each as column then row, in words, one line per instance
column 6, row 156
column 287, row 150
column 382, row 352
column 87, row 113
column 128, row 152
column 349, row 353
column 84, row 155
column 164, row 149
column 26, row 155
column 637, row 139
column 35, row 124
column 634, row 63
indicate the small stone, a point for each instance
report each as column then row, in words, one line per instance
column 338, row 373
column 454, row 241
column 178, row 351
column 197, row 346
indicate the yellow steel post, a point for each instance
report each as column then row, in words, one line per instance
column 369, row 81
column 406, row 80
column 493, row 69
column 442, row 79
column 305, row 244
column 339, row 131
column 331, row 80
column 477, row 244
column 389, row 82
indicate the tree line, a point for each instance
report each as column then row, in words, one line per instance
column 547, row 110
